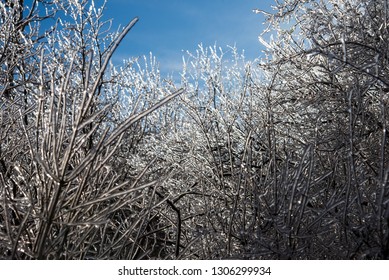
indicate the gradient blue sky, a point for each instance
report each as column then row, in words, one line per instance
column 168, row 28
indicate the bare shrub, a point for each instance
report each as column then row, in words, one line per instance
column 62, row 195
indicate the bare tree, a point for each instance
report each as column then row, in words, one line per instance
column 329, row 70
column 283, row 158
column 62, row 198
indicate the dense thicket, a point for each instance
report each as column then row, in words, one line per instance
column 283, row 158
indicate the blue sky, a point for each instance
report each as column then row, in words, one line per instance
column 168, row 28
